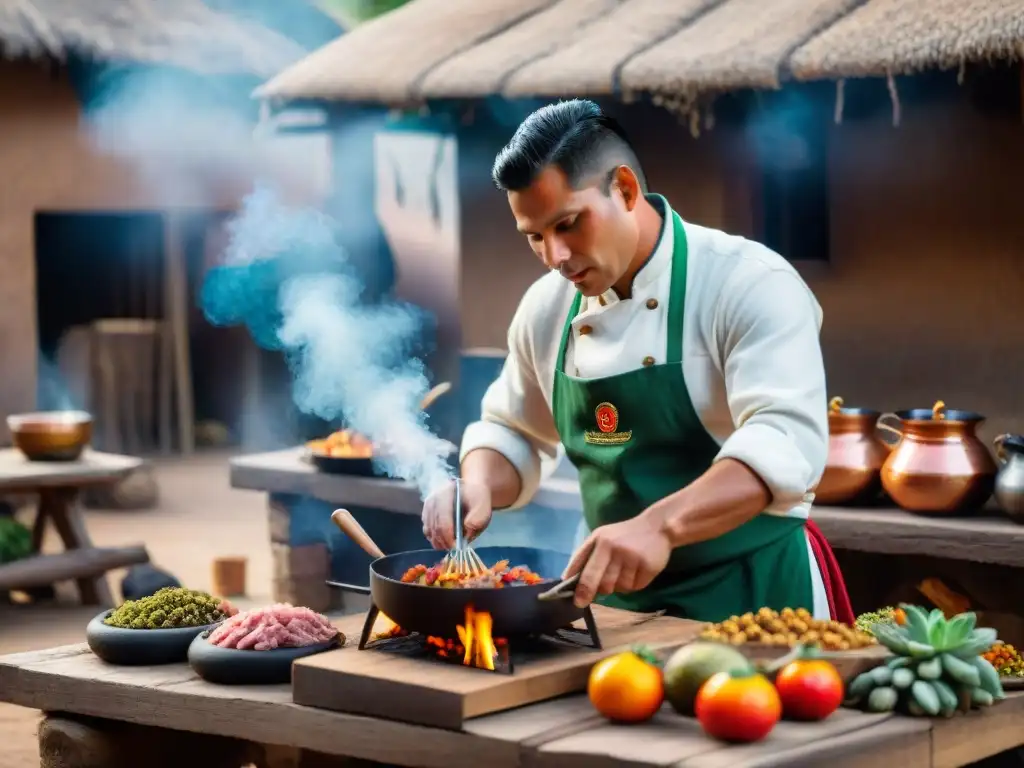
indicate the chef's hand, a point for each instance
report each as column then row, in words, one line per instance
column 439, row 514
column 619, row 558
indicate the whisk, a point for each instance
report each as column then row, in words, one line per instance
column 462, row 560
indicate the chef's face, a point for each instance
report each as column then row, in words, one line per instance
column 588, row 234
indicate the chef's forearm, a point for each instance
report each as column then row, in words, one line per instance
column 721, row 500
column 485, row 466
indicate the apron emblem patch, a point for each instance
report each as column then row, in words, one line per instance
column 607, row 417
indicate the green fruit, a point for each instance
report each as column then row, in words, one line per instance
column 898, row 661
column 692, row 665
column 920, row 650
column 882, row 700
column 902, row 678
column 947, row 697
column 981, row 698
column 988, row 677
column 959, row 670
column 925, row 696
column 930, row 669
column 861, row 685
column 881, row 675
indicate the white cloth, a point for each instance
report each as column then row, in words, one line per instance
column 752, row 362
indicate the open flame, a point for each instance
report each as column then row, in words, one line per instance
column 477, row 641
column 475, row 645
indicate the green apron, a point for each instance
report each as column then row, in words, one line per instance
column 635, row 439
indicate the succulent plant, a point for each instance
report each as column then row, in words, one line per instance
column 936, row 669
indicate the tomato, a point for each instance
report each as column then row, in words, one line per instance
column 810, row 689
column 626, row 688
column 738, row 707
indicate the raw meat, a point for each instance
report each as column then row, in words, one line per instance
column 276, row 626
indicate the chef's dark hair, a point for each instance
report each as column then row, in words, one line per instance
column 574, row 136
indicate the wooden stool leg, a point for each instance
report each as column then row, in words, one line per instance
column 74, row 741
column 63, row 508
column 67, row 743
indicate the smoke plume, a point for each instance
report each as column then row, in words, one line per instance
column 284, row 274
column 287, row 279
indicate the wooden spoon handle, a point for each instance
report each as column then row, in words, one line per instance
column 563, row 590
column 348, row 525
column 432, row 395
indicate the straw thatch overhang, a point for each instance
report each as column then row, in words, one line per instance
column 739, row 44
column 589, row 59
column 892, row 37
column 182, row 33
column 672, row 49
column 385, row 59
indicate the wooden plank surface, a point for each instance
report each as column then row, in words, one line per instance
column 564, row 732
column 74, row 564
column 987, row 537
column 71, row 679
column 286, row 472
column 376, row 683
column 977, row 735
column 18, row 473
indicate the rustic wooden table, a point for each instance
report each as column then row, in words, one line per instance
column 114, row 712
column 57, row 485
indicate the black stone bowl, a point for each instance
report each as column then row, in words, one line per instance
column 230, row 666
column 140, row 647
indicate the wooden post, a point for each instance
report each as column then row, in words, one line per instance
column 176, row 327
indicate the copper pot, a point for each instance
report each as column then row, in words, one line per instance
column 51, row 435
column 855, row 457
column 939, row 465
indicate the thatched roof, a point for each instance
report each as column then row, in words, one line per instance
column 588, row 59
column 682, row 48
column 483, row 69
column 385, row 59
column 739, row 44
column 901, row 36
column 184, row 33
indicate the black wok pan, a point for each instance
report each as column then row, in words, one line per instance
column 516, row 610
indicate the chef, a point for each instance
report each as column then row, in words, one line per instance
column 680, row 369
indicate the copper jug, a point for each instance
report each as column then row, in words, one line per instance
column 939, row 466
column 853, row 470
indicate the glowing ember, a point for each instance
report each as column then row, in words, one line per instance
column 384, row 628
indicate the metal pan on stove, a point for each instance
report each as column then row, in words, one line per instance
column 516, row 610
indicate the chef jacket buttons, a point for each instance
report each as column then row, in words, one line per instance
column 648, row 361
column 585, row 329
column 652, row 303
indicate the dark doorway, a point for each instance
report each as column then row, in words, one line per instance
column 111, row 265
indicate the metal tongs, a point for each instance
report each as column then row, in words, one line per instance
column 462, row 560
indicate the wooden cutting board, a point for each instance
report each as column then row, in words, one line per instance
column 429, row 692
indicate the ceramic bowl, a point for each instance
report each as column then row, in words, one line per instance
column 140, row 647
column 51, row 435
column 231, row 666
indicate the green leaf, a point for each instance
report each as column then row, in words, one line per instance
column 986, row 636
column 937, row 629
column 957, row 631
column 892, row 637
column 920, row 650
column 971, row 618
column 917, row 623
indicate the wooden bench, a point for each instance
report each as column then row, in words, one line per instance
column 57, row 486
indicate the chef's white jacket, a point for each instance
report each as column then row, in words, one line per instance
column 751, row 357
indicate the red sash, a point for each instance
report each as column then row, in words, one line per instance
column 835, row 588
